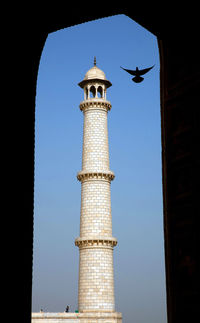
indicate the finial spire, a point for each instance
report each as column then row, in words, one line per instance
column 95, row 62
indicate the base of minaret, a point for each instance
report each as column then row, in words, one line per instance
column 86, row 317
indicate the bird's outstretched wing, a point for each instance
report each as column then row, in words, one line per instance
column 145, row 70
column 132, row 72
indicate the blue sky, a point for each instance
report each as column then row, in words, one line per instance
column 135, row 157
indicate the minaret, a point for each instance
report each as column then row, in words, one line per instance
column 96, row 281
column 96, row 301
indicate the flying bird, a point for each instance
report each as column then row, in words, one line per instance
column 137, row 73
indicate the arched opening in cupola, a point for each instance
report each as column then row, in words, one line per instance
column 86, row 93
column 92, row 91
column 100, row 92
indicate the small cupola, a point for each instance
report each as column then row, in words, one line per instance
column 95, row 83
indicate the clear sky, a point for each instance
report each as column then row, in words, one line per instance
column 135, row 157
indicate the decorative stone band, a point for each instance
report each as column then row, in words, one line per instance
column 95, row 315
column 90, row 175
column 96, row 242
column 94, row 104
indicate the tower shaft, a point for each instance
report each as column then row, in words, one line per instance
column 96, row 282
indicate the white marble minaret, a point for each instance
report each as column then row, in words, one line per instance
column 96, row 299
column 96, row 281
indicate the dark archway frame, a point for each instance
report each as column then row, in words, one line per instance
column 180, row 127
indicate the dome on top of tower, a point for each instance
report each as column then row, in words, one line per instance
column 95, row 74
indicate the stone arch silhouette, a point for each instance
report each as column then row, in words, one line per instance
column 180, row 83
